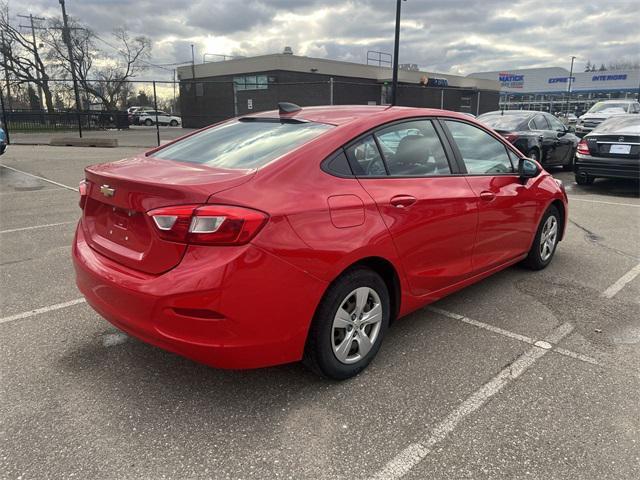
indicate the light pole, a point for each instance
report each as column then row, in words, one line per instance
column 396, row 48
column 569, row 86
column 66, row 37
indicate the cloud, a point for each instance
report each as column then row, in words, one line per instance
column 456, row 36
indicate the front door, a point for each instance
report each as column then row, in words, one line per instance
column 431, row 214
column 507, row 207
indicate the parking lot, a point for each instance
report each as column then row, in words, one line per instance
column 524, row 375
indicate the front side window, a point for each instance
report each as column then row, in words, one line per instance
column 365, row 158
column 242, row 144
column 481, row 153
column 413, row 149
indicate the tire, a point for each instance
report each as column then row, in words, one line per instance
column 341, row 345
column 567, row 167
column 584, row 179
column 173, row 123
column 148, row 122
column 546, row 240
column 534, row 154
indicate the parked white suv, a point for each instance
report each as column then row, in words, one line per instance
column 149, row 118
column 603, row 110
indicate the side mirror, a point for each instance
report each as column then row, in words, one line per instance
column 528, row 168
column 571, row 129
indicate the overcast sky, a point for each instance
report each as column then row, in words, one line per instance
column 448, row 36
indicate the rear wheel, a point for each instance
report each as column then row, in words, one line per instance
column 148, row 122
column 546, row 241
column 349, row 325
column 567, row 167
column 584, row 179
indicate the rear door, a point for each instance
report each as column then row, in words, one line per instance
column 507, row 207
column 548, row 141
column 564, row 142
column 430, row 212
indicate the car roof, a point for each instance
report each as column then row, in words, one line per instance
column 523, row 113
column 343, row 114
column 622, row 100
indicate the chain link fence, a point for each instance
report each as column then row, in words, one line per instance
column 149, row 113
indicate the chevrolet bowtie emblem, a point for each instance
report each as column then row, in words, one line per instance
column 107, row 191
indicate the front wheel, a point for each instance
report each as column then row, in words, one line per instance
column 148, row 122
column 349, row 325
column 173, row 123
column 546, row 241
column 534, row 154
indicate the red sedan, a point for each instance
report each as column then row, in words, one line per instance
column 301, row 234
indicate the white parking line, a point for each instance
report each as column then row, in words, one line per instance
column 39, row 177
column 36, row 226
column 38, row 311
column 412, row 455
column 621, row 282
column 515, row 336
column 574, row 199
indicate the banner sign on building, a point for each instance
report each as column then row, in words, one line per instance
column 511, row 80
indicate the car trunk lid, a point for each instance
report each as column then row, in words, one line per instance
column 120, row 193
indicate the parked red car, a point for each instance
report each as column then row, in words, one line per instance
column 301, row 234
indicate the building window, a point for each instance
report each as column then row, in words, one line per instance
column 251, row 82
column 199, row 89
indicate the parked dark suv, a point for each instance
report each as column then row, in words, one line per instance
column 538, row 135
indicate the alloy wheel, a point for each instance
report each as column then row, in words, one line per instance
column 356, row 325
column 548, row 238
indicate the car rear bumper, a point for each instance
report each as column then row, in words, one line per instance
column 228, row 307
column 607, row 167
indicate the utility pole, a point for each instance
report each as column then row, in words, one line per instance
column 396, row 49
column 569, row 87
column 66, row 37
column 35, row 50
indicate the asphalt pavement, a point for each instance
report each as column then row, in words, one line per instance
column 523, row 375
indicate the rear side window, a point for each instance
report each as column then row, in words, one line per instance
column 539, row 123
column 481, row 153
column 365, row 158
column 413, row 149
column 242, row 144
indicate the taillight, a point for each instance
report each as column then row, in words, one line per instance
column 208, row 224
column 510, row 137
column 583, row 148
column 83, row 189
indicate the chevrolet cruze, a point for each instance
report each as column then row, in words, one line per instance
column 303, row 233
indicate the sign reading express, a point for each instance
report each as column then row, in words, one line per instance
column 561, row 79
column 511, row 80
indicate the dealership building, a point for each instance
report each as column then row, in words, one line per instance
column 547, row 88
column 214, row 91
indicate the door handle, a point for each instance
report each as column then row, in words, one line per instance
column 487, row 196
column 403, row 201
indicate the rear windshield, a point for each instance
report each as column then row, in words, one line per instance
column 242, row 144
column 503, row 122
column 623, row 125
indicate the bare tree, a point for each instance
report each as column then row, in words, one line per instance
column 21, row 58
column 625, row 65
column 103, row 76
